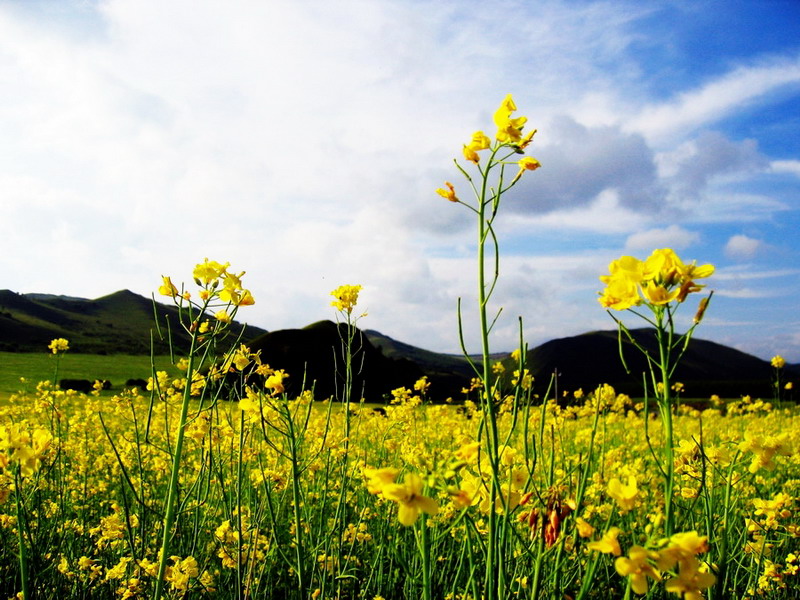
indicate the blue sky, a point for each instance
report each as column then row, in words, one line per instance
column 303, row 142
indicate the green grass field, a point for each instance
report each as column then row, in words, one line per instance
column 41, row 366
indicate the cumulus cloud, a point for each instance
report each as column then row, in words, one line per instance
column 581, row 162
column 711, row 154
column 742, row 247
column 674, row 237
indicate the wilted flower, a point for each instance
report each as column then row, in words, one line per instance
column 449, row 193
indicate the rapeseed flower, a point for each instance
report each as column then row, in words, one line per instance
column 449, row 193
column 346, row 297
column 479, row 142
column 410, row 499
column 508, row 130
column 624, row 495
column 58, row 346
column 659, row 280
column 637, row 566
column 608, row 544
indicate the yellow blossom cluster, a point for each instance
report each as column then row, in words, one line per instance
column 660, row 279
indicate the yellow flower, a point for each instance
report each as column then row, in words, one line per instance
column 657, row 294
column 346, row 297
column 209, row 272
column 625, row 495
column 608, row 544
column 682, row 547
column 410, row 499
column 222, row 316
column 167, row 288
column 621, row 293
column 275, row 381
column 508, row 129
column 449, row 193
column 778, row 361
column 637, row 566
column 585, row 529
column 479, row 142
column 377, row 479
column 528, row 164
column 58, row 345
column 691, row 581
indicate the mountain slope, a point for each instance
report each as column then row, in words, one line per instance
column 122, row 322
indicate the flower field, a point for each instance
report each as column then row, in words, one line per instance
column 216, row 483
column 272, row 491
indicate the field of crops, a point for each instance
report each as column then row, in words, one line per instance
column 275, row 500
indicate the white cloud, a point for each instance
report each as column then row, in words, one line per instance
column 715, row 100
column 674, row 237
column 786, row 166
column 742, row 247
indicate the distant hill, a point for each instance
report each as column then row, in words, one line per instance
column 707, row 368
column 122, row 322
column 314, row 359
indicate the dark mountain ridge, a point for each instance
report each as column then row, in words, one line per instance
column 123, row 322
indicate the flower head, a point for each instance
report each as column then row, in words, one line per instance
column 608, row 544
column 508, row 129
column 778, row 361
column 346, row 297
column 208, row 272
column 449, row 193
column 661, row 279
column 167, row 288
column 478, row 142
column 410, row 499
column 637, row 566
column 58, row 345
column 625, row 495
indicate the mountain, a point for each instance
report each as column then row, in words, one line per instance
column 314, row 359
column 706, row 368
column 122, row 322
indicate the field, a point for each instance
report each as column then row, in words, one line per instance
column 35, row 367
column 277, row 499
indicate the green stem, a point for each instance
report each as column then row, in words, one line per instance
column 21, row 527
column 172, row 493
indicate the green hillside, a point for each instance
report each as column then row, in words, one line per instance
column 122, row 322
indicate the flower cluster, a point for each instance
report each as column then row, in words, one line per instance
column 509, row 135
column 659, row 280
column 690, row 578
column 214, row 279
column 58, row 346
column 346, row 297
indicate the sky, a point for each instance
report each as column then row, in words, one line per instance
column 303, row 142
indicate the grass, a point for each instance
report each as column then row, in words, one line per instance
column 40, row 366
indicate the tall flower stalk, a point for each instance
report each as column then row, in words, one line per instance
column 488, row 184
column 221, row 290
column 660, row 284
